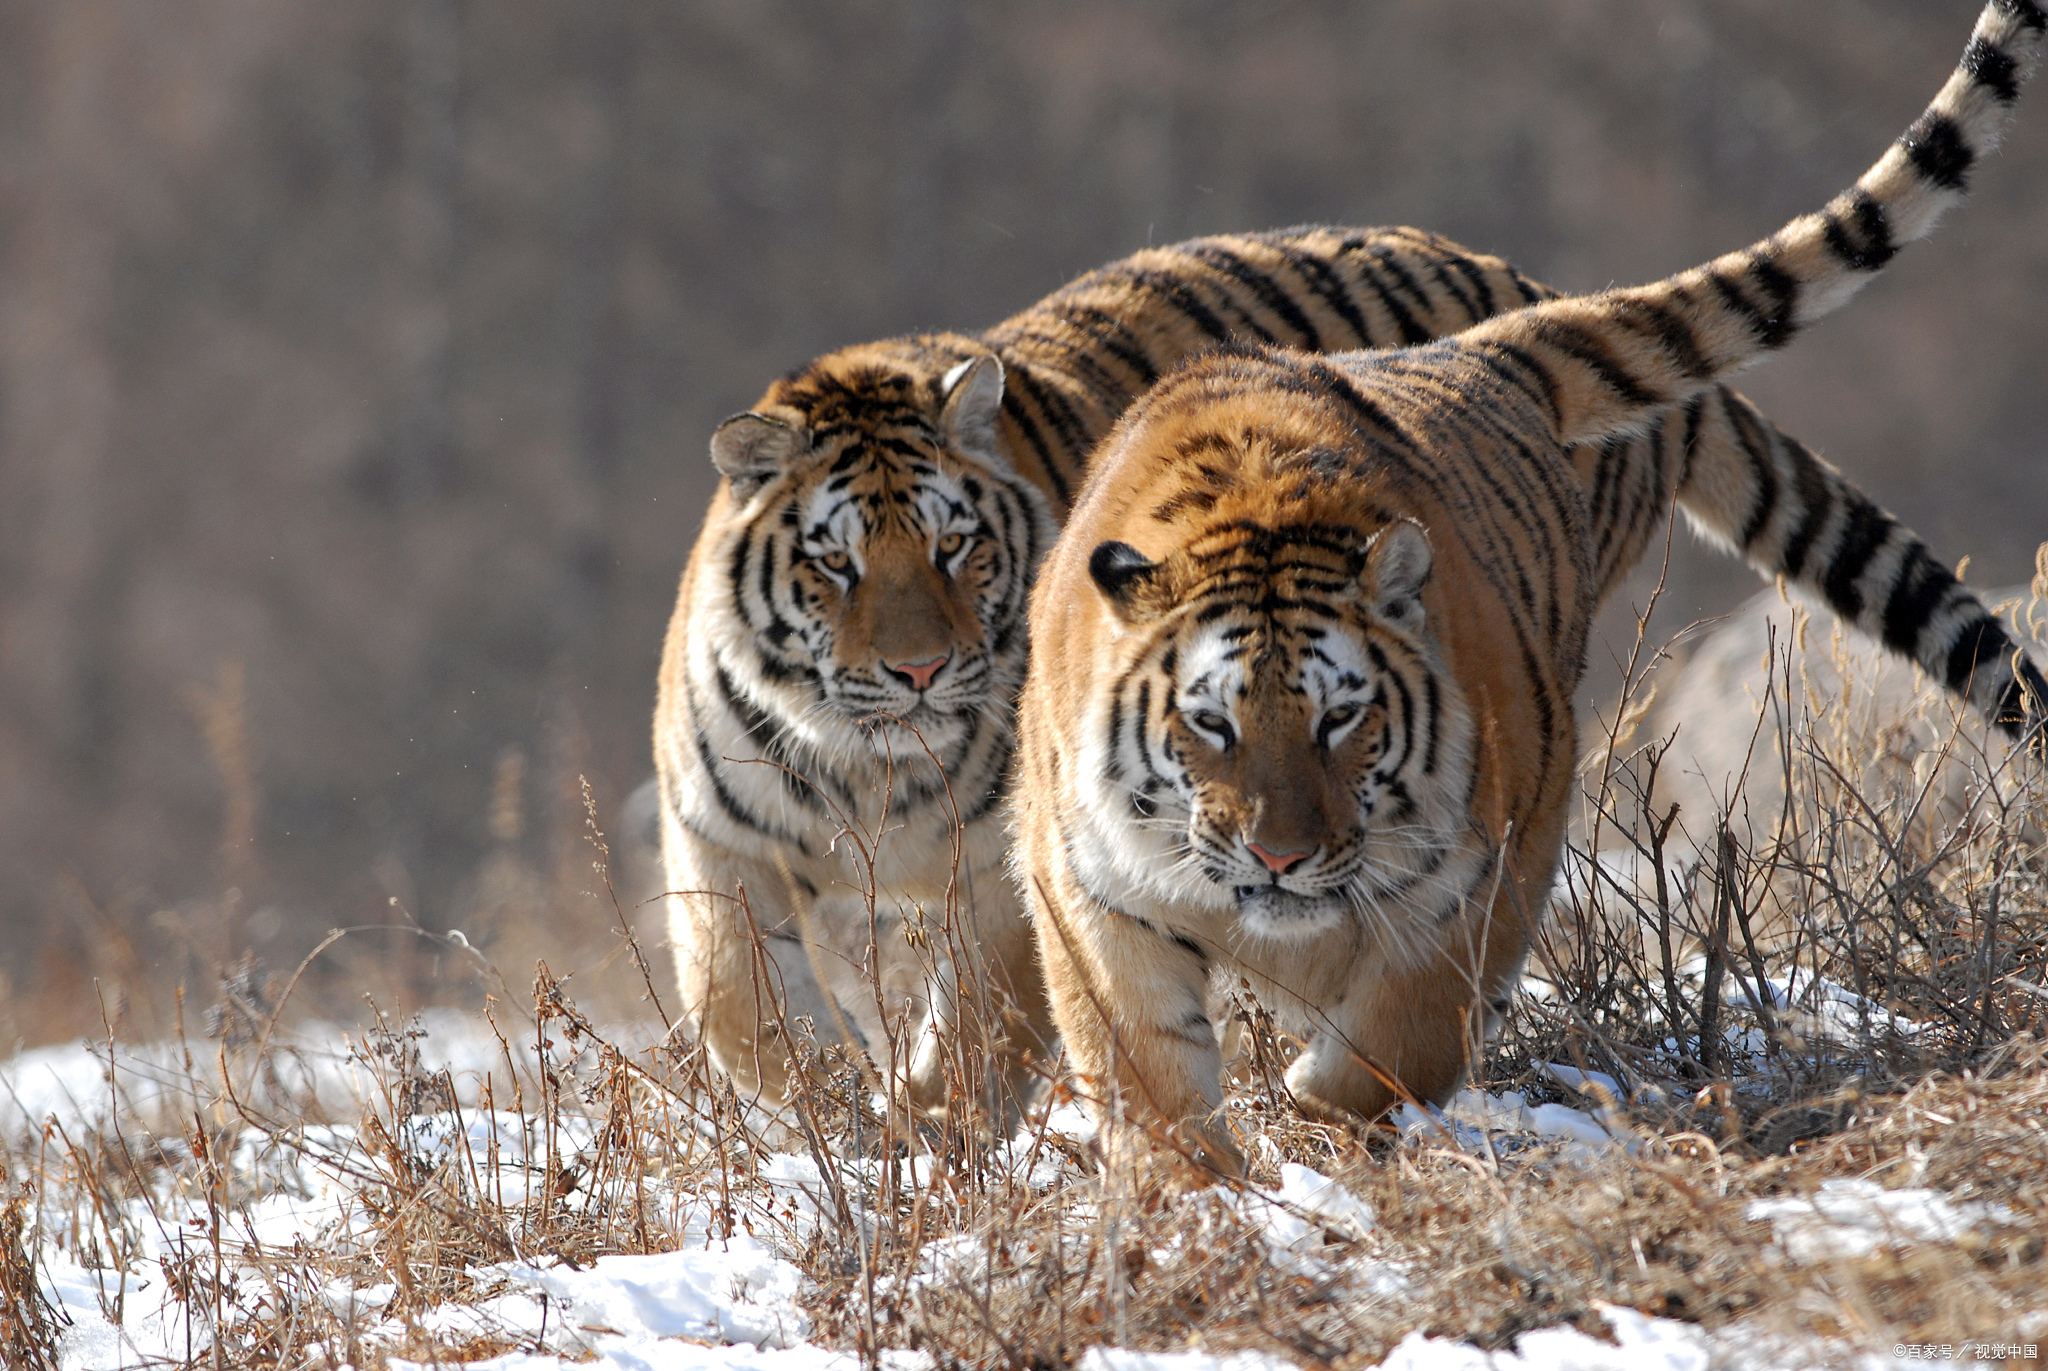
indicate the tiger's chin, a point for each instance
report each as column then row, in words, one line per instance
column 907, row 733
column 917, row 714
column 1267, row 911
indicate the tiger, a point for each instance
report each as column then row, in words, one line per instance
column 850, row 635
column 1298, row 713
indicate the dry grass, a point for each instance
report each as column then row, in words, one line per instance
column 939, row 1238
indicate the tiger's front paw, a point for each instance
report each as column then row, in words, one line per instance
column 1209, row 1145
column 1191, row 1153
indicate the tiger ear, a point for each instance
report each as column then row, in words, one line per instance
column 1397, row 566
column 974, row 397
column 1126, row 579
column 753, row 449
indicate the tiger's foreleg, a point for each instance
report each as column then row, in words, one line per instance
column 1402, row 1033
column 990, row 1029
column 1131, row 1003
column 747, row 986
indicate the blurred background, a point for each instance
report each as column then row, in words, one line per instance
column 357, row 362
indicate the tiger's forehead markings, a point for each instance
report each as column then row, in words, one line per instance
column 1244, row 542
column 873, row 430
column 861, row 402
column 1272, row 607
column 1212, row 465
column 881, row 490
column 1223, row 661
column 1293, row 576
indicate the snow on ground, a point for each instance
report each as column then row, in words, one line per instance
column 630, row 1311
column 147, row 1330
column 1121, row 1359
column 732, row 1302
column 1823, row 1008
column 1642, row 1343
column 332, row 1067
column 679, row 1312
column 1854, row 1218
column 1479, row 1121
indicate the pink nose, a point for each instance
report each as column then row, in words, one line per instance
column 1279, row 863
column 920, row 673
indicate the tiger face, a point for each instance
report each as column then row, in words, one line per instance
column 883, row 550
column 1286, row 748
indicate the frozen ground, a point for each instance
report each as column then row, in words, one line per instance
column 734, row 1301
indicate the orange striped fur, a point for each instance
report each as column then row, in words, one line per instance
column 1299, row 707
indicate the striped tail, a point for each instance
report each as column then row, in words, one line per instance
column 1607, row 362
column 1791, row 514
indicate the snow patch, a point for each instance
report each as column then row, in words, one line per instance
column 1477, row 1121
column 1854, row 1218
column 739, row 1291
column 1641, row 1343
column 1121, row 1359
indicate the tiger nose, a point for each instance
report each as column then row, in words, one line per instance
column 919, row 674
column 1279, row 863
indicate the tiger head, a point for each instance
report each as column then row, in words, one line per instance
column 1283, row 744
column 882, row 547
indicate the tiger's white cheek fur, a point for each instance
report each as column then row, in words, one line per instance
column 827, row 522
column 723, row 630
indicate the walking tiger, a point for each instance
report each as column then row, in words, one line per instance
column 837, row 689
column 1299, row 707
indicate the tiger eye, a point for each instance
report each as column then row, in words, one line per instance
column 952, row 543
column 837, row 560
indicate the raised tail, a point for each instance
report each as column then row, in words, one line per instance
column 1608, row 362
